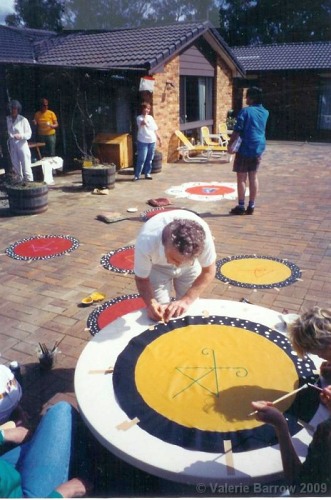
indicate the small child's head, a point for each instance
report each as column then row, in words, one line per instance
column 311, row 333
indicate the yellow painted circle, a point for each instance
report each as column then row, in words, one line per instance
column 205, row 376
column 256, row 271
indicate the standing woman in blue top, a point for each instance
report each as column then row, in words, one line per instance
column 146, row 142
column 250, row 127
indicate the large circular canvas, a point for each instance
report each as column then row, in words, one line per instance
column 148, row 214
column 207, row 370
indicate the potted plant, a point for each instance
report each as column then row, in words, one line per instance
column 230, row 119
column 27, row 198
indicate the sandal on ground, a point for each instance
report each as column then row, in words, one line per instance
column 100, row 191
column 97, row 296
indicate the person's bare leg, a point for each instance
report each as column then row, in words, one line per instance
column 241, row 189
column 253, row 190
column 253, row 186
column 241, row 185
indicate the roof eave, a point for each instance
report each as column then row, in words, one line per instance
column 281, row 70
column 212, row 37
column 104, row 68
column 30, row 62
column 157, row 64
column 220, row 46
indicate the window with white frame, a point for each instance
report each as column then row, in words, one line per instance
column 196, row 98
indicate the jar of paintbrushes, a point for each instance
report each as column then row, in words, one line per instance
column 47, row 356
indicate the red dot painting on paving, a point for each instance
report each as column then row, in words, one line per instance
column 42, row 247
column 113, row 309
column 205, row 191
column 120, row 260
column 210, row 190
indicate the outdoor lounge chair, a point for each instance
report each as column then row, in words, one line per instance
column 208, row 141
column 204, row 152
column 218, row 148
column 223, row 134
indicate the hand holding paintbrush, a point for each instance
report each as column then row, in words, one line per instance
column 261, row 406
column 278, row 400
column 325, row 395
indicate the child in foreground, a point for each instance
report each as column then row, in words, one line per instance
column 315, row 471
column 310, row 333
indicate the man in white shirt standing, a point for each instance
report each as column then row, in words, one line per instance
column 174, row 249
column 146, row 142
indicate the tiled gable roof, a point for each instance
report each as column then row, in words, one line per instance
column 132, row 49
column 142, row 48
column 290, row 56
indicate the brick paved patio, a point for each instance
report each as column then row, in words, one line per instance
column 40, row 299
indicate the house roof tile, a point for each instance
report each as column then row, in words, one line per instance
column 143, row 48
column 16, row 44
column 129, row 48
column 290, row 56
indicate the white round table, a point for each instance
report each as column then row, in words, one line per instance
column 102, row 413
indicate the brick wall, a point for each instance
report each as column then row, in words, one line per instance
column 223, row 92
column 166, row 109
column 165, row 102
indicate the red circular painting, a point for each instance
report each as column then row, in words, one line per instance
column 120, row 260
column 205, row 191
column 210, row 190
column 42, row 247
column 113, row 309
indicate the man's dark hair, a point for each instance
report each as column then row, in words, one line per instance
column 255, row 94
column 186, row 235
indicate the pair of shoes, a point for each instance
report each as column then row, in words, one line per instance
column 149, row 177
column 238, row 210
column 249, row 210
column 135, row 179
column 94, row 297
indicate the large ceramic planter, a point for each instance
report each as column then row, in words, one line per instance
column 28, row 198
column 99, row 176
